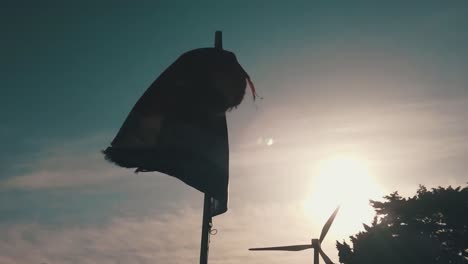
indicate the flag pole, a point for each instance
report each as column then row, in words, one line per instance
column 206, row 228
column 206, row 225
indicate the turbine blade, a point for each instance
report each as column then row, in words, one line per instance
column 327, row 225
column 284, row 248
column 325, row 257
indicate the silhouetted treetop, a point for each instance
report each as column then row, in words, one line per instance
column 430, row 227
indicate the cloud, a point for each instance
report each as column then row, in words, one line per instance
column 77, row 162
column 122, row 241
column 258, row 215
column 164, row 238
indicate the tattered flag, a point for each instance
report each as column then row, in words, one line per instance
column 178, row 127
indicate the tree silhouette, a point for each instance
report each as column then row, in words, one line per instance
column 431, row 227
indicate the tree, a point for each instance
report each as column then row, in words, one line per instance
column 430, row 227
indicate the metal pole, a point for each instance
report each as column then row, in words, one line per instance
column 206, row 225
column 316, row 247
column 219, row 39
column 316, row 256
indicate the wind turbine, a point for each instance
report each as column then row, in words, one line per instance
column 316, row 243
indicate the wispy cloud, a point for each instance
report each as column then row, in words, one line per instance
column 77, row 162
column 164, row 238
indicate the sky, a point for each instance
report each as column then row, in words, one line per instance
column 360, row 99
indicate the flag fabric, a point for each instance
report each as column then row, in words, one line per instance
column 178, row 127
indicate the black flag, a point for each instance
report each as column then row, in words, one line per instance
column 178, row 127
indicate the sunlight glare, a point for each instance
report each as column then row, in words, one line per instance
column 346, row 181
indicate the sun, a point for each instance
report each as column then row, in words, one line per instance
column 343, row 180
